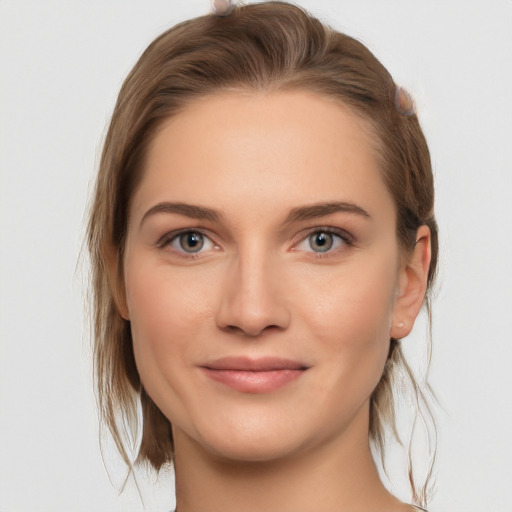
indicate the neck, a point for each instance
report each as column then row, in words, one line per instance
column 338, row 476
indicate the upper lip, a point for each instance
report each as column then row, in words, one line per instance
column 261, row 364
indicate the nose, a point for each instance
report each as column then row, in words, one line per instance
column 253, row 297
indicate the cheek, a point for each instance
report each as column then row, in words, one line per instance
column 169, row 312
column 163, row 302
column 166, row 312
column 352, row 306
column 350, row 319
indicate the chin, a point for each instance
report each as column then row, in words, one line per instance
column 247, row 441
column 254, row 450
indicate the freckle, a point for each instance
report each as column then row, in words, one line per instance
column 404, row 102
column 222, row 7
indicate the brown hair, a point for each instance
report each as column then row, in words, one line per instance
column 264, row 47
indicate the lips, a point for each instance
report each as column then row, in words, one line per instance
column 248, row 375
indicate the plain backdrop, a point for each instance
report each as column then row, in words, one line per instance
column 61, row 66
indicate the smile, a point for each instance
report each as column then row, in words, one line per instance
column 254, row 375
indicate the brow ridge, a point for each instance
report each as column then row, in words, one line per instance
column 298, row 214
column 317, row 210
column 188, row 210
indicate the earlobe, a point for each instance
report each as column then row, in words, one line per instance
column 116, row 281
column 412, row 285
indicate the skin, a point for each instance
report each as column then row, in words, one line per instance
column 259, row 286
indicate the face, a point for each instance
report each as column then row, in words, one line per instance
column 262, row 272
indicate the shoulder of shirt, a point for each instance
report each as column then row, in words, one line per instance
column 414, row 507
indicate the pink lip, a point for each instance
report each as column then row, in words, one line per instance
column 254, row 375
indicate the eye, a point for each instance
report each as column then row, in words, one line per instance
column 190, row 242
column 322, row 241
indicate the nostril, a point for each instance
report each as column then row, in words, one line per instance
column 250, row 331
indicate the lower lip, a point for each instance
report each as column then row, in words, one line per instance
column 253, row 381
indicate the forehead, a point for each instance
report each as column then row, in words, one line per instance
column 286, row 146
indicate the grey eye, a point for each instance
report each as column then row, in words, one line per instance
column 191, row 241
column 321, row 241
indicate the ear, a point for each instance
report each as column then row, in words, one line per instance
column 116, row 280
column 412, row 285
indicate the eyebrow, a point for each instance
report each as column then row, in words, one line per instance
column 318, row 210
column 298, row 214
column 188, row 210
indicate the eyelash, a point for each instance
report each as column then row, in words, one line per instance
column 345, row 238
column 169, row 238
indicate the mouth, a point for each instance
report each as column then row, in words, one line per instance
column 248, row 375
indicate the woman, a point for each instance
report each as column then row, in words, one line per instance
column 262, row 236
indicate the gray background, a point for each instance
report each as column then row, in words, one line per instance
column 61, row 65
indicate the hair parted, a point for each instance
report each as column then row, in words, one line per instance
column 259, row 47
